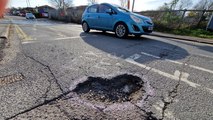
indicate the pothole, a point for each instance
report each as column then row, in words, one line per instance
column 119, row 89
column 164, row 54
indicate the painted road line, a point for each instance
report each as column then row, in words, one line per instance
column 176, row 76
column 34, row 28
column 58, row 33
column 22, row 34
column 64, row 38
column 57, row 39
column 176, row 62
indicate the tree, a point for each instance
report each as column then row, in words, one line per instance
column 91, row 1
column 123, row 3
column 173, row 4
column 204, row 4
column 164, row 7
column 176, row 4
column 184, row 4
column 61, row 3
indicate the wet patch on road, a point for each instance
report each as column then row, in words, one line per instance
column 120, row 89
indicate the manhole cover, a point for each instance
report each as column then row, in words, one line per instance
column 121, row 88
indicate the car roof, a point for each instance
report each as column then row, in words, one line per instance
column 114, row 5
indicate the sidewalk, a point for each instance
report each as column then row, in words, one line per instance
column 180, row 37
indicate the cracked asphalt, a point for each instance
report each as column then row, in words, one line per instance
column 52, row 58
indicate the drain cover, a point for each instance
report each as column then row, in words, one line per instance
column 121, row 88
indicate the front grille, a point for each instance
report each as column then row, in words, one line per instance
column 145, row 29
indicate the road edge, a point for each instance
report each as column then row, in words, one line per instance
column 5, row 34
column 198, row 40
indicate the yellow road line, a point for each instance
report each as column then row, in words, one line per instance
column 22, row 35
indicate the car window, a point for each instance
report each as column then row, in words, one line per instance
column 122, row 9
column 93, row 9
column 104, row 8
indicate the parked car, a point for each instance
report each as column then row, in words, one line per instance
column 22, row 14
column 110, row 17
column 30, row 16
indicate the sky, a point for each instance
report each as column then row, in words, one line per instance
column 139, row 4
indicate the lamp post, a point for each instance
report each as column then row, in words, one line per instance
column 133, row 5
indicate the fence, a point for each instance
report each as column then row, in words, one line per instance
column 169, row 19
column 179, row 18
column 73, row 14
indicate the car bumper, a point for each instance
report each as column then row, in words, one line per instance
column 139, row 29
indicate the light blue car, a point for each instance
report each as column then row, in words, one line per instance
column 110, row 17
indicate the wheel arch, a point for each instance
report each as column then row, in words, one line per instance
column 120, row 22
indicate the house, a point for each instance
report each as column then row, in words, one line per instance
column 44, row 10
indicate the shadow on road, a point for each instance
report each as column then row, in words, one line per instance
column 125, row 48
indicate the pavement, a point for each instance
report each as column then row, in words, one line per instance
column 49, row 69
column 181, row 37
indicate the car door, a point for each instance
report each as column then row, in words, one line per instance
column 105, row 20
column 92, row 16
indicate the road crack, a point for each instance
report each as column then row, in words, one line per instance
column 45, row 102
column 49, row 69
column 174, row 92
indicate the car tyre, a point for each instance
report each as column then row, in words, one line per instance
column 121, row 30
column 85, row 27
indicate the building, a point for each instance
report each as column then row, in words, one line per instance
column 44, row 10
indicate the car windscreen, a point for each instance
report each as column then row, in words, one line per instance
column 29, row 14
column 122, row 9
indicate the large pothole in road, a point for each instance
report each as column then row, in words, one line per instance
column 119, row 89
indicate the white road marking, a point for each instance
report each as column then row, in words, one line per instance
column 63, row 38
column 34, row 27
column 176, row 62
column 135, row 56
column 203, row 55
column 174, row 77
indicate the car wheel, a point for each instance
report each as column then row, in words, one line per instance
column 85, row 27
column 121, row 30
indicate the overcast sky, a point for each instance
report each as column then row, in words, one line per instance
column 139, row 4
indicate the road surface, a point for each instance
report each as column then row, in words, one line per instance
column 45, row 60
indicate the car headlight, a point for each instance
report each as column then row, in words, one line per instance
column 136, row 19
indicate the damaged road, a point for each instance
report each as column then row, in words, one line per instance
column 53, row 71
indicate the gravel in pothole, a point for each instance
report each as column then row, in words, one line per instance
column 121, row 88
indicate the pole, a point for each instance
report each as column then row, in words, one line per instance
column 128, row 5
column 27, row 3
column 133, row 5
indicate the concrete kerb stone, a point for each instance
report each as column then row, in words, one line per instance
column 5, row 33
column 184, row 38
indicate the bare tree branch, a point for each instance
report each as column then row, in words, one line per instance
column 59, row 3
